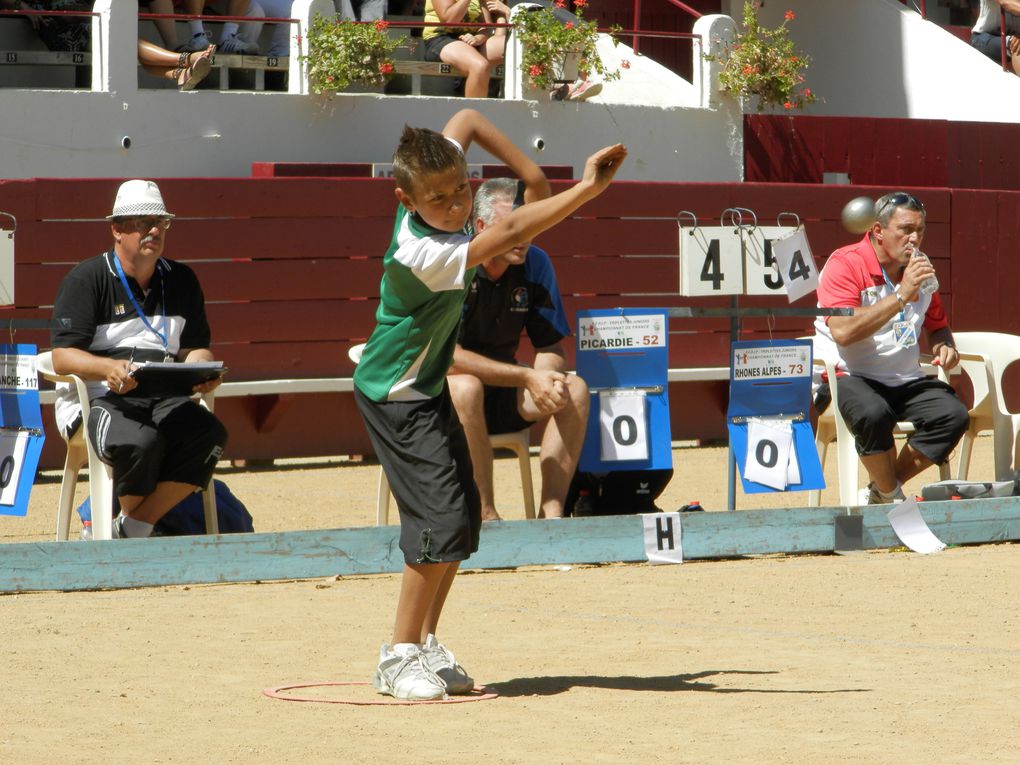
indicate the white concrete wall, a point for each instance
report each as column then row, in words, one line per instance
column 878, row 58
column 210, row 133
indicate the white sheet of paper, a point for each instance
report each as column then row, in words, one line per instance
column 12, row 460
column 768, row 452
column 793, row 467
column 796, row 264
column 663, row 537
column 911, row 529
column 623, row 425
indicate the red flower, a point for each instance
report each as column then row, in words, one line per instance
column 381, row 26
column 790, row 16
column 625, row 63
column 561, row 3
column 569, row 25
column 788, row 105
column 386, row 67
column 329, row 78
column 807, row 92
column 580, row 3
column 535, row 70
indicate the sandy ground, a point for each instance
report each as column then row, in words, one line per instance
column 873, row 657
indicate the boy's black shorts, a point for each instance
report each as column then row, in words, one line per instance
column 422, row 448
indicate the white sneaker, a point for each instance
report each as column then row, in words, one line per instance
column 870, row 495
column 443, row 663
column 407, row 676
column 234, row 45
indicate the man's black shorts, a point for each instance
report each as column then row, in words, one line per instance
column 501, row 415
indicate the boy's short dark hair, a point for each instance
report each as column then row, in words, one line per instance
column 423, row 152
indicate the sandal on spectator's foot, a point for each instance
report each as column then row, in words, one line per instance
column 558, row 92
column 192, row 68
column 582, row 90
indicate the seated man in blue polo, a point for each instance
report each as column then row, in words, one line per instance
column 112, row 311
column 491, row 390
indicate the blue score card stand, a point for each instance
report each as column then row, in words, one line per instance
column 21, row 430
column 625, row 351
column 771, row 379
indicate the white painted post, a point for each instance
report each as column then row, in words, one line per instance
column 716, row 32
column 304, row 11
column 115, row 47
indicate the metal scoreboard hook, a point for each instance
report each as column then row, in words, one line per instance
column 779, row 219
column 736, row 218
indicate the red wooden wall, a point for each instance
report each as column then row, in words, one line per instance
column 658, row 16
column 290, row 269
column 887, row 152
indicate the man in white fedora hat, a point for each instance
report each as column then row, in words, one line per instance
column 112, row 312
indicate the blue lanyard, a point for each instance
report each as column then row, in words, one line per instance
column 885, row 276
column 138, row 309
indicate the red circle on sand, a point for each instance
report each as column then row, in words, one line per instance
column 480, row 693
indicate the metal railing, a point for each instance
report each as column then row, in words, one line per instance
column 635, row 43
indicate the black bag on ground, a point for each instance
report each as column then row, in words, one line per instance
column 188, row 516
column 620, row 492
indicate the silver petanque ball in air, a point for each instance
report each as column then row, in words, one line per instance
column 859, row 215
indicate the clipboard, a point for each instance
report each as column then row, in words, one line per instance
column 173, row 377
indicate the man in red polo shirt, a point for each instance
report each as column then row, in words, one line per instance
column 876, row 350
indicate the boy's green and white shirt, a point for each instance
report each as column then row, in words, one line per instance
column 425, row 280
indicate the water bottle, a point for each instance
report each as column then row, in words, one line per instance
column 86, row 531
column 930, row 284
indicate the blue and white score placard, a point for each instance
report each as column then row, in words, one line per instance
column 21, row 431
column 623, row 355
column 768, row 416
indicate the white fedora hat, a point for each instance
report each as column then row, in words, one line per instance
column 138, row 198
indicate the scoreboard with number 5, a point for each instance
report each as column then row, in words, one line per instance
column 746, row 260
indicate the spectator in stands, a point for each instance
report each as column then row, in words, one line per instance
column 491, row 390
column 187, row 69
column 474, row 50
column 986, row 34
column 63, row 33
column 400, row 383
column 112, row 311
column 234, row 39
column 361, row 10
column 72, row 34
column 876, row 349
column 279, row 44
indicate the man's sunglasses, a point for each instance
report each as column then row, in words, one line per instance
column 901, row 199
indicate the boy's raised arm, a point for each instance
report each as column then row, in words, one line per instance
column 470, row 126
column 527, row 222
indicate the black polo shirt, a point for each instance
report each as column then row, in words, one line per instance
column 525, row 298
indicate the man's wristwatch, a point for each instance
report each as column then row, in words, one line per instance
column 899, row 297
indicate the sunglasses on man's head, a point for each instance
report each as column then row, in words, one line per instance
column 902, row 199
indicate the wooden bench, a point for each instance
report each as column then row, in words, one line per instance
column 224, row 63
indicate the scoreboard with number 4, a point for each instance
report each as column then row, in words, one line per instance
column 739, row 260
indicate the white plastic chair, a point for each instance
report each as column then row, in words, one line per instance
column 519, row 443
column 831, row 427
column 80, row 453
column 985, row 356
